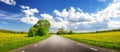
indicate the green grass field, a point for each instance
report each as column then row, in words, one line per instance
column 104, row 39
column 10, row 41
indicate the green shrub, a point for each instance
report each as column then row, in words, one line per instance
column 40, row 28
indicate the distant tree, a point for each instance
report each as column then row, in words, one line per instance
column 70, row 32
column 40, row 28
column 61, row 31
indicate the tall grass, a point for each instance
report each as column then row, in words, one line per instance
column 106, row 39
column 10, row 41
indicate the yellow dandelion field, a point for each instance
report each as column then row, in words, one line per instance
column 106, row 39
column 10, row 41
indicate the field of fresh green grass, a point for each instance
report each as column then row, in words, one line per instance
column 10, row 41
column 104, row 39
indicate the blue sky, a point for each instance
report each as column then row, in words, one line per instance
column 77, row 15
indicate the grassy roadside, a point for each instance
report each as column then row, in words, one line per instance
column 108, row 39
column 10, row 41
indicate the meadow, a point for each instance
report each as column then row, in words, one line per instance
column 10, row 41
column 102, row 39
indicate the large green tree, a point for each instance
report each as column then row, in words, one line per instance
column 40, row 28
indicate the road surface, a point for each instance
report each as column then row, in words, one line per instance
column 59, row 44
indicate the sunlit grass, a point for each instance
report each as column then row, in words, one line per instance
column 107, row 39
column 10, row 41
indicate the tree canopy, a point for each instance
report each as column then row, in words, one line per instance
column 40, row 28
column 61, row 31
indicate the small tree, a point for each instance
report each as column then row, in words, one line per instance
column 61, row 31
column 70, row 32
column 40, row 28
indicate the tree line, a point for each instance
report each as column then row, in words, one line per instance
column 9, row 31
column 62, row 32
column 113, row 30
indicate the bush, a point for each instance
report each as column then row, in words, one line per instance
column 62, row 32
column 70, row 32
column 40, row 28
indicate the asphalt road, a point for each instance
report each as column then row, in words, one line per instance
column 59, row 44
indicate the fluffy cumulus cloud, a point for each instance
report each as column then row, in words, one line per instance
column 109, row 13
column 47, row 16
column 116, row 0
column 9, row 2
column 78, row 20
column 29, row 17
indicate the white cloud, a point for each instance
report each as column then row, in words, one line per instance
column 62, row 24
column 46, row 16
column 68, row 19
column 72, row 15
column 116, row 1
column 77, row 20
column 9, row 2
column 54, row 23
column 29, row 17
column 114, row 24
column 112, row 11
column 64, row 13
column 24, row 7
column 29, row 11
